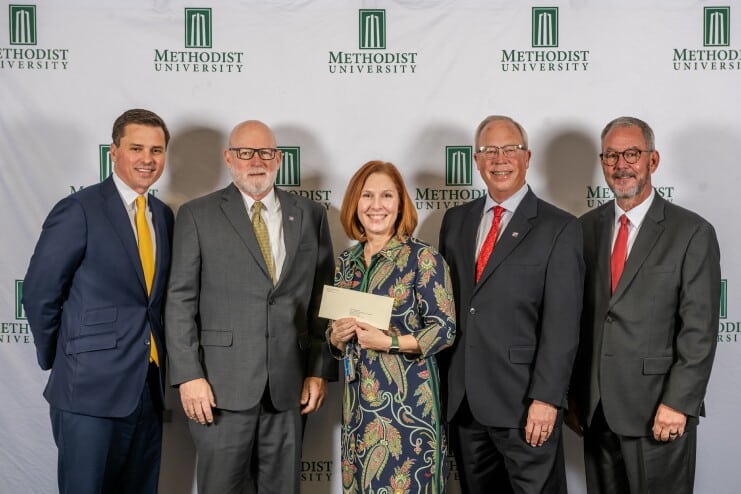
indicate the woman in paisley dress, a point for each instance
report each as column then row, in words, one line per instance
column 392, row 432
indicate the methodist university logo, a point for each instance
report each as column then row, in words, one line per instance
column 723, row 299
column 198, row 55
column 198, row 28
column 106, row 167
column 23, row 52
column 289, row 174
column 371, row 57
column 716, row 26
column 458, row 166
column 22, row 24
column 545, row 27
column 544, row 54
column 716, row 54
column 458, row 182
column 372, row 29
column 728, row 331
column 20, row 314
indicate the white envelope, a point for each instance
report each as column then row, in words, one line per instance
column 366, row 307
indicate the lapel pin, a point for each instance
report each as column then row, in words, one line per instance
column 515, row 234
column 290, row 218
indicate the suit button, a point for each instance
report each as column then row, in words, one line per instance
column 146, row 342
column 271, row 301
column 472, row 311
column 608, row 318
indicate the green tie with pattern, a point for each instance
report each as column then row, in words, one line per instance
column 261, row 232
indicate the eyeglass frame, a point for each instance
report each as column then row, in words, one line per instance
column 511, row 148
column 618, row 154
column 259, row 151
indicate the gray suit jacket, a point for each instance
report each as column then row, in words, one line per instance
column 225, row 320
column 654, row 339
column 518, row 327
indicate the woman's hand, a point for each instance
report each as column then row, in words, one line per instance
column 372, row 338
column 343, row 330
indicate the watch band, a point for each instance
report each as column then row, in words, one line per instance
column 394, row 348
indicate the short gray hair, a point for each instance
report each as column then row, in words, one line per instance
column 648, row 134
column 499, row 118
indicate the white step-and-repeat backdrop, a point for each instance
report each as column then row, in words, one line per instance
column 341, row 83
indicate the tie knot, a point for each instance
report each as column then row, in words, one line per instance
column 623, row 220
column 498, row 210
column 257, row 207
column 141, row 202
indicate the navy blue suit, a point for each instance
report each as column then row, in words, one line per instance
column 90, row 315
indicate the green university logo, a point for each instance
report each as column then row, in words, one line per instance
column 458, row 166
column 289, row 174
column 716, row 26
column 198, row 28
column 104, row 157
column 20, row 314
column 545, row 27
column 372, row 30
column 723, row 299
column 22, row 22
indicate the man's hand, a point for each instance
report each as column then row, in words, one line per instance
column 197, row 399
column 312, row 394
column 541, row 417
column 571, row 418
column 668, row 423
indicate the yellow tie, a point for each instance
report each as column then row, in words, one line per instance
column 146, row 254
column 261, row 232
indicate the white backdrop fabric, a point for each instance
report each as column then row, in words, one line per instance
column 342, row 83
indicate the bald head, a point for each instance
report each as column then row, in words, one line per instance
column 254, row 129
column 255, row 175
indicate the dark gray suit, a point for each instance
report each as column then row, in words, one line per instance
column 518, row 326
column 226, row 322
column 654, row 339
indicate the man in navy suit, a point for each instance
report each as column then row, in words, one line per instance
column 95, row 315
column 517, row 269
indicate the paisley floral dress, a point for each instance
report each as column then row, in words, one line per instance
column 392, row 434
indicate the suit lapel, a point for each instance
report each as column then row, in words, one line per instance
column 236, row 213
column 516, row 230
column 292, row 217
column 116, row 213
column 163, row 246
column 469, row 230
column 647, row 237
column 604, row 252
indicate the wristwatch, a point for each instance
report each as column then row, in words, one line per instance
column 394, row 348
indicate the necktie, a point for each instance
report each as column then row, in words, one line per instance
column 261, row 232
column 619, row 252
column 146, row 254
column 489, row 241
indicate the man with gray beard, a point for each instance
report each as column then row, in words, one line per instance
column 247, row 352
column 649, row 325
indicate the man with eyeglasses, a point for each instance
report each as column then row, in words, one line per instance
column 651, row 304
column 245, row 342
column 517, row 269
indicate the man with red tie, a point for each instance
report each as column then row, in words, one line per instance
column 517, row 269
column 651, row 303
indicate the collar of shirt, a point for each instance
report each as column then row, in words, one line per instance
column 510, row 206
column 635, row 219
column 128, row 195
column 269, row 202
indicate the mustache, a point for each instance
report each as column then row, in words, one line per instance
column 624, row 174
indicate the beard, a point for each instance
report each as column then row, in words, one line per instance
column 627, row 192
column 254, row 185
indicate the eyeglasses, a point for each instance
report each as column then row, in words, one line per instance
column 631, row 156
column 508, row 150
column 248, row 153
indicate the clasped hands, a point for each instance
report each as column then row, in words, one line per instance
column 368, row 337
